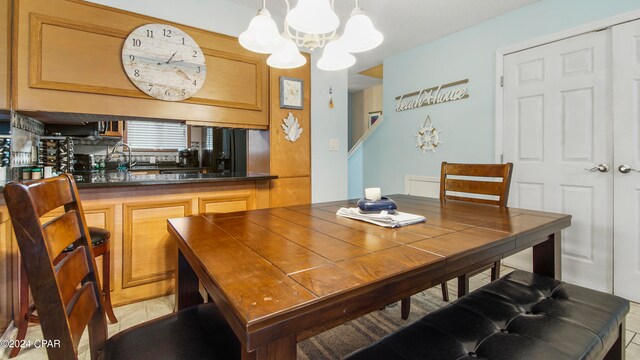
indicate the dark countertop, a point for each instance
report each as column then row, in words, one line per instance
column 112, row 179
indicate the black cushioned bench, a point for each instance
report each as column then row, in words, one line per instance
column 520, row 316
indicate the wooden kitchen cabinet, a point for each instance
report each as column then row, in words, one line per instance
column 291, row 161
column 142, row 251
column 291, row 191
column 5, row 54
column 114, row 128
column 68, row 60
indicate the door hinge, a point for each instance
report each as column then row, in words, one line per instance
column 501, row 81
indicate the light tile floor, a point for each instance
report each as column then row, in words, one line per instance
column 133, row 314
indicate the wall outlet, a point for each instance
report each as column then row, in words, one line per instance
column 334, row 145
column 152, row 159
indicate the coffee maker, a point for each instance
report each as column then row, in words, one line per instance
column 188, row 157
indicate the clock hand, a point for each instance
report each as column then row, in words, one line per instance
column 174, row 54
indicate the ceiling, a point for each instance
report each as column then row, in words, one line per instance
column 405, row 24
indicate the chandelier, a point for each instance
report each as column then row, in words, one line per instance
column 311, row 24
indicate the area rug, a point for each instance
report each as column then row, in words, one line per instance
column 345, row 339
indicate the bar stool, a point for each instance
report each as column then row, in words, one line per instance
column 101, row 246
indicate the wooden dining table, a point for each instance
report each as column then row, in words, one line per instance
column 282, row 275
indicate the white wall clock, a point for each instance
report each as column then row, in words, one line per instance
column 164, row 62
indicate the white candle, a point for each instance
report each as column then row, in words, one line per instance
column 373, row 194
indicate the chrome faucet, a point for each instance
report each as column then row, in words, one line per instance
column 122, row 144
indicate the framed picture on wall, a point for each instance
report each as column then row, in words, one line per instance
column 374, row 116
column 291, row 93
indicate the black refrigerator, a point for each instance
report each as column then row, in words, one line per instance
column 224, row 149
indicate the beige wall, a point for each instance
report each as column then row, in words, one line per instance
column 364, row 102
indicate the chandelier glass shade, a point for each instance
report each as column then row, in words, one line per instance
column 335, row 57
column 311, row 24
column 286, row 55
column 262, row 35
column 313, row 17
column 359, row 33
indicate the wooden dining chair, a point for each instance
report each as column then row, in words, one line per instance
column 68, row 297
column 27, row 314
column 479, row 183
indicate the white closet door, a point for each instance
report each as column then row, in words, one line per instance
column 626, row 115
column 557, row 122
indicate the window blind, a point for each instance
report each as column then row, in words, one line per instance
column 208, row 143
column 153, row 135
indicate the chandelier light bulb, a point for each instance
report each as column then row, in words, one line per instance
column 286, row 56
column 313, row 17
column 262, row 35
column 359, row 33
column 335, row 57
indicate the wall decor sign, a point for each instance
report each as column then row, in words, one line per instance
column 291, row 93
column 432, row 96
column 428, row 137
column 291, row 127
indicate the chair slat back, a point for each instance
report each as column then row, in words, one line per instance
column 70, row 272
column 67, row 295
column 469, row 180
column 61, row 232
column 50, row 195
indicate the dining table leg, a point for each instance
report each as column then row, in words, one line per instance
column 547, row 257
column 187, row 285
column 281, row 349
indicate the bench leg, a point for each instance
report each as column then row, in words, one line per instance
column 617, row 350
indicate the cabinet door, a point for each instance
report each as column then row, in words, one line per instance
column 149, row 253
column 227, row 202
column 67, row 63
column 5, row 52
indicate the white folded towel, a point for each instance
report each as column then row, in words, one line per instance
column 383, row 218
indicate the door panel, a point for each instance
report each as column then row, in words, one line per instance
column 626, row 110
column 557, row 123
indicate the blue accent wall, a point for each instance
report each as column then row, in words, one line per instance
column 356, row 182
column 467, row 125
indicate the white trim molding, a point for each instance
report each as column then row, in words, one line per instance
column 427, row 186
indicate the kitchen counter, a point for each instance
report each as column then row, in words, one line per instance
column 112, row 179
column 143, row 256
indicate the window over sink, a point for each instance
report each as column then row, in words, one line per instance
column 152, row 135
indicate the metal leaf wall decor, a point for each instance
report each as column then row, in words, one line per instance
column 291, row 128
